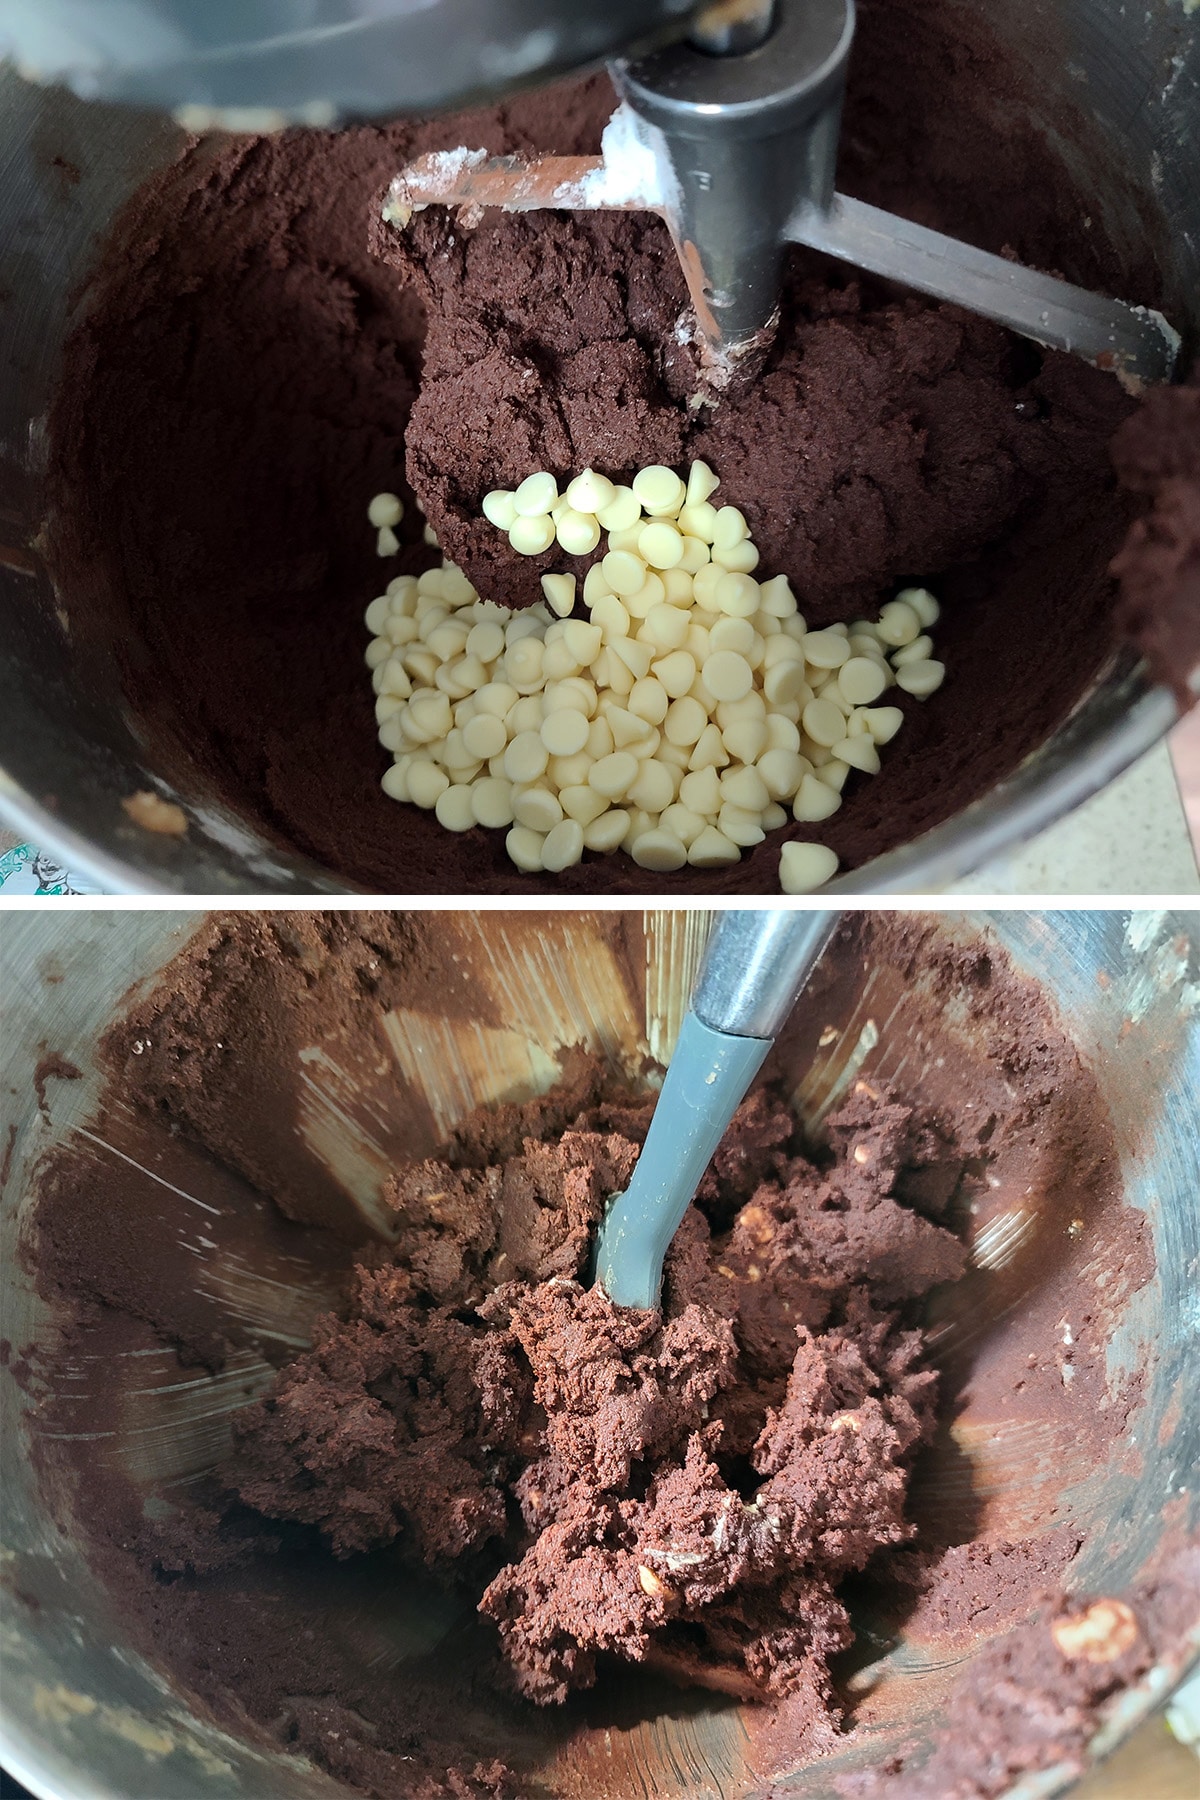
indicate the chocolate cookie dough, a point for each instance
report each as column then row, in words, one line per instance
column 245, row 375
column 688, row 1488
column 472, row 1424
column 1157, row 452
column 886, row 437
column 1032, row 1701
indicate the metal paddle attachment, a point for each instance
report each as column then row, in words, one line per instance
column 754, row 967
column 735, row 147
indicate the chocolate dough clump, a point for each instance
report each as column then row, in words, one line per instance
column 686, row 1488
column 1157, row 452
column 886, row 436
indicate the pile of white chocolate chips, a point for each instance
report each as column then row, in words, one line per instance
column 677, row 709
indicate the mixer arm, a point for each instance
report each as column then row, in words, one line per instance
column 256, row 65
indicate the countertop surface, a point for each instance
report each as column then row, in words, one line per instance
column 1132, row 838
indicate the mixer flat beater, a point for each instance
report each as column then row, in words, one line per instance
column 731, row 137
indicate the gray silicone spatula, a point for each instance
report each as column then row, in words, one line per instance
column 755, row 965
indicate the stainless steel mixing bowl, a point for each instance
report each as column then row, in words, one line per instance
column 82, row 1717
column 70, row 751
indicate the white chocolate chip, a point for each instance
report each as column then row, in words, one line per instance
column 681, row 822
column 564, row 732
column 589, row 492
column 500, row 508
column 678, row 583
column 652, row 593
column 776, row 598
column 636, row 657
column 860, row 752
column 740, row 825
column 823, row 722
column 699, row 521
column 535, row 495
column 814, row 801
column 658, row 850
column 920, row 650
column 685, row 719
column 624, row 572
column 600, row 739
column 385, row 510
column 665, row 627
column 607, row 833
column 387, row 543
column 583, row 640
column 526, row 757
column 781, row 772
column 782, row 734
column 491, row 802
column 453, row 808
column 578, row 533
column 785, row 681
column 676, row 672
column 738, row 558
column 563, row 846
column 649, row 700
column 613, row 775
column 898, row 624
column 486, row 640
column 861, row 679
column 659, row 490
column 485, row 736
column 745, row 787
column 710, row 751
column 395, row 779
column 883, row 722
column 921, row 678
column 729, row 528
column 622, row 511
column 654, row 789
column 700, row 791
column 524, row 848
column 701, row 483
column 531, row 533
column 736, row 594
column 628, row 729
column 711, row 849
column 745, row 739
column 805, row 867
column 426, row 783
column 923, row 604
column 582, row 803
column 660, row 544
column 679, row 721
column 737, row 635
column 377, row 615
column 568, row 771
column 728, row 676
column 826, row 649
